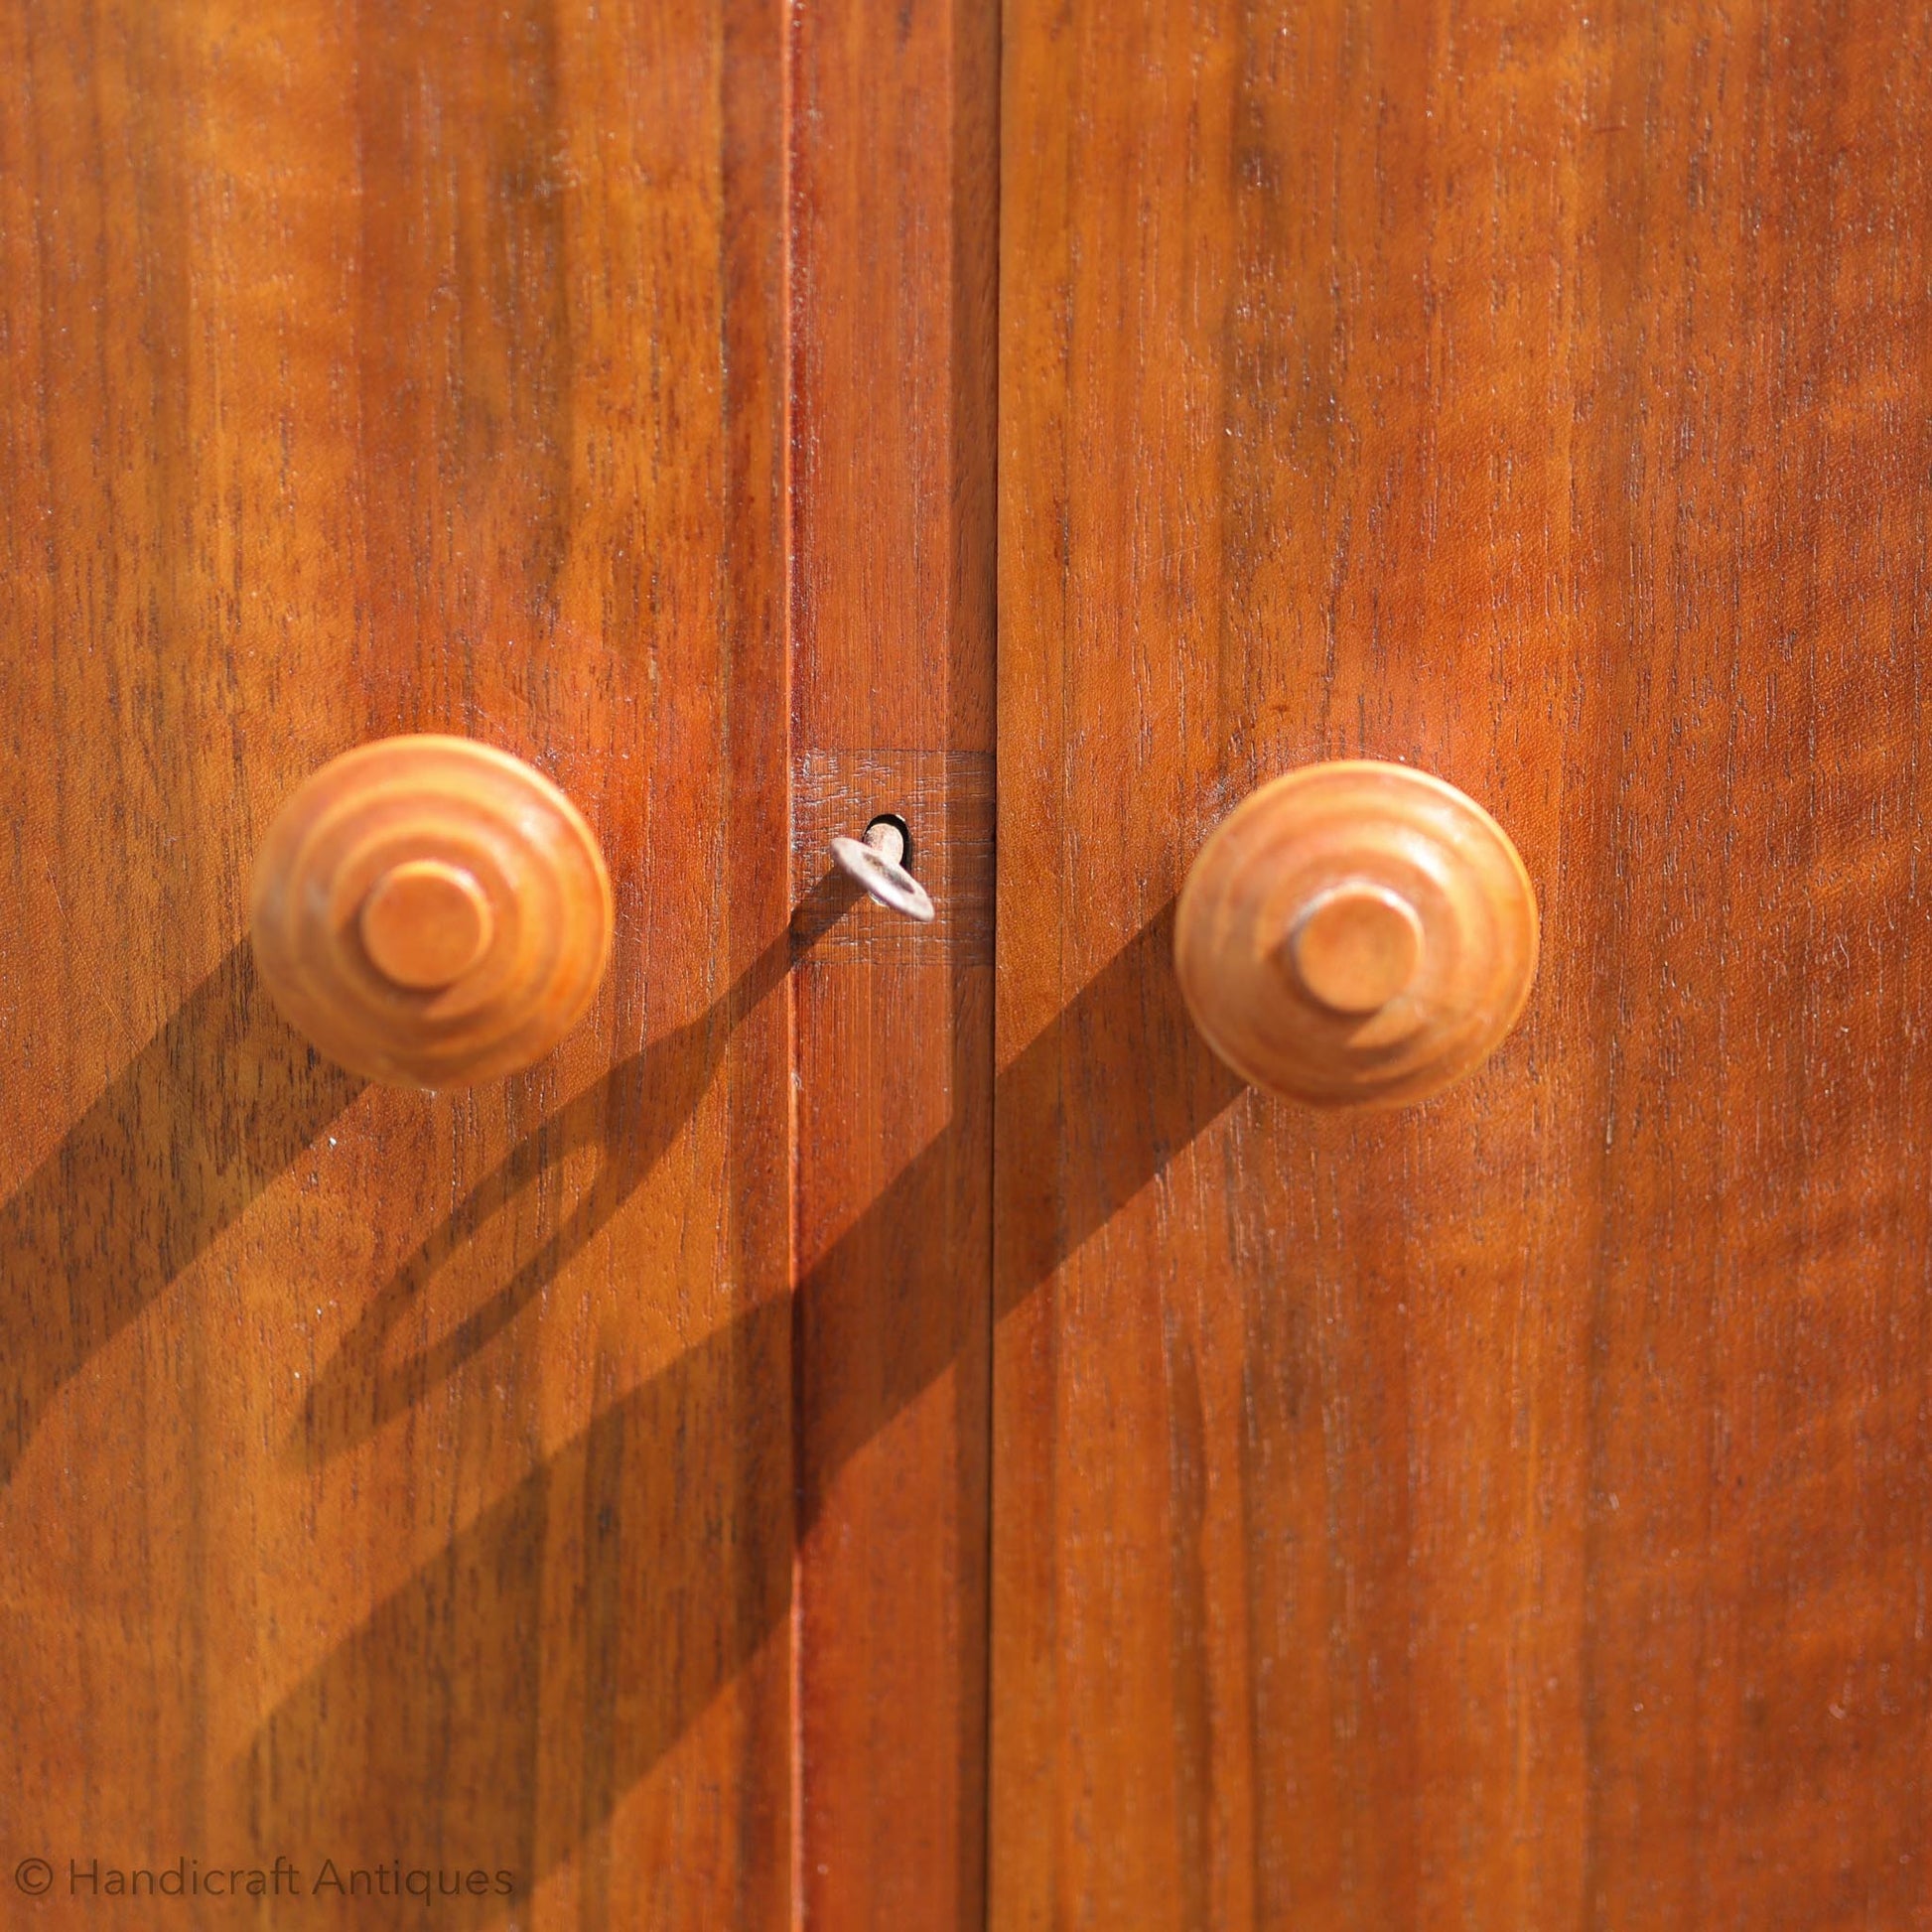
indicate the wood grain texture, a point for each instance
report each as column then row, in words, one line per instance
column 389, row 1476
column 894, row 242
column 1512, row 1511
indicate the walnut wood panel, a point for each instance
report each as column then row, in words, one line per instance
column 892, row 469
column 393, row 1478
column 1512, row 1510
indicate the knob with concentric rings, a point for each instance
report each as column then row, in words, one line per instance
column 1356, row 935
column 431, row 911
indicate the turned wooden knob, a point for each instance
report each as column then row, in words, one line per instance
column 431, row 911
column 1356, row 935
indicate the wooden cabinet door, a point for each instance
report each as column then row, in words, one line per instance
column 881, row 1429
column 1510, row 1511
column 572, row 1489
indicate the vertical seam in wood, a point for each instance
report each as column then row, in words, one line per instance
column 992, row 395
column 787, row 50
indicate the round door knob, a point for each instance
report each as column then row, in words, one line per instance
column 1356, row 935
column 431, row 911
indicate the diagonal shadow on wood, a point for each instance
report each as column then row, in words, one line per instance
column 632, row 1116
column 210, row 1112
column 679, row 1574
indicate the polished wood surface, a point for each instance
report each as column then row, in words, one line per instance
column 429, row 911
column 393, row 1477
column 581, row 1477
column 894, row 166
column 1512, row 1510
column 1356, row 935
column 1508, row 1510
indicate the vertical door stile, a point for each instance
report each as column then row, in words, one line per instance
column 892, row 234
